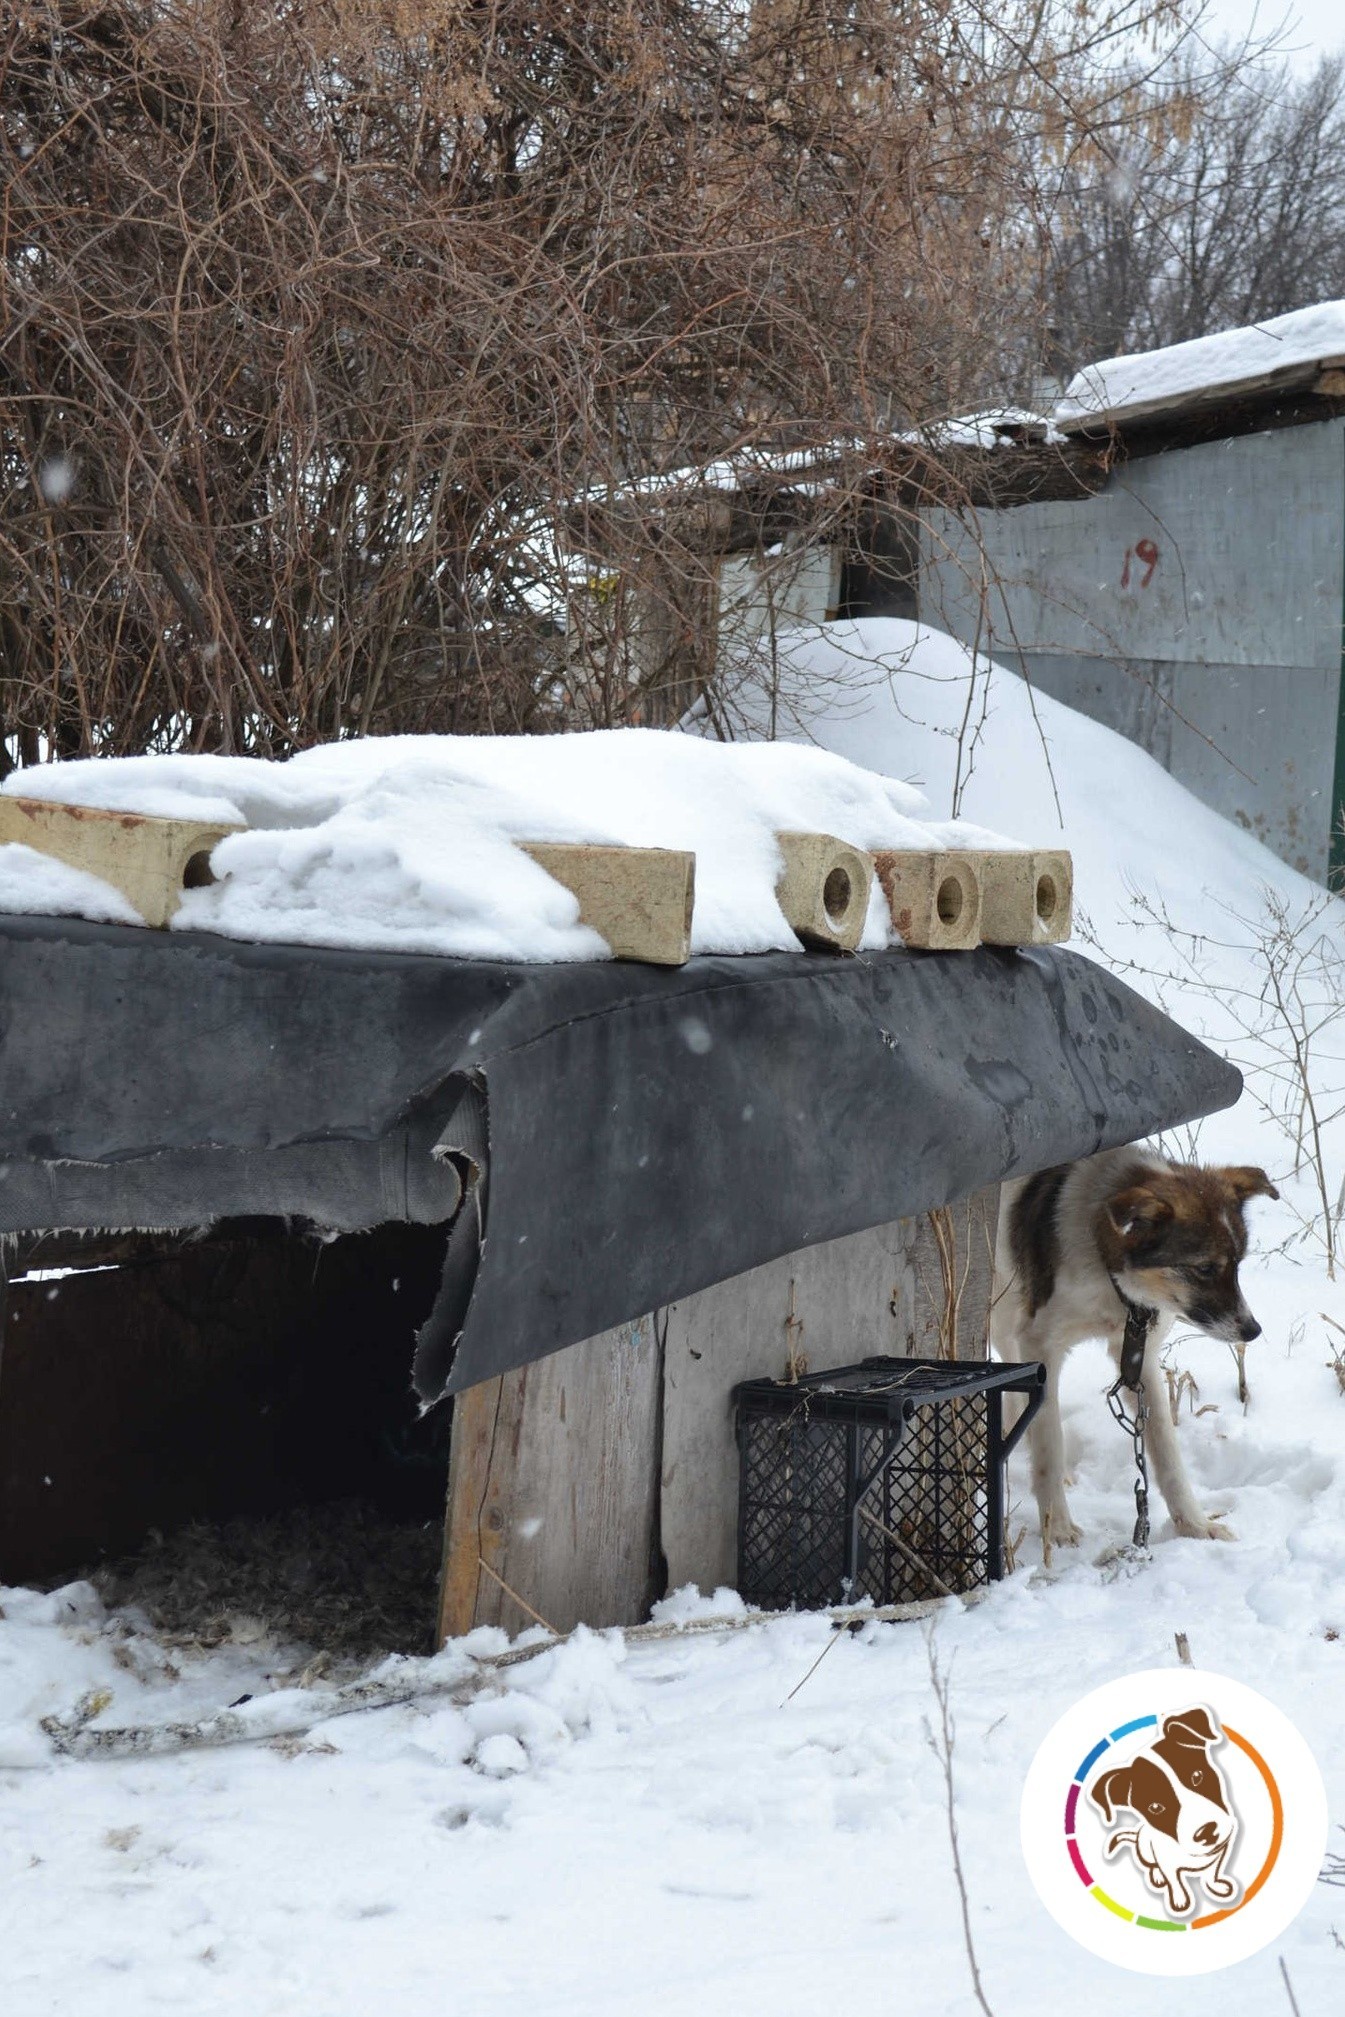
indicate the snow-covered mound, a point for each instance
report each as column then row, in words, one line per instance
column 406, row 842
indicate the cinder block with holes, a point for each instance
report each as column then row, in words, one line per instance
column 934, row 899
column 1026, row 897
column 824, row 889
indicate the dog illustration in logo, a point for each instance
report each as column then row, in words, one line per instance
column 1185, row 1826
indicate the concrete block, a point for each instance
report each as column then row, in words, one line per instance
column 151, row 861
column 1026, row 898
column 639, row 899
column 934, row 898
column 824, row 889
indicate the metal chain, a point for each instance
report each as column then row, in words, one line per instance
column 1134, row 1428
column 1134, row 1345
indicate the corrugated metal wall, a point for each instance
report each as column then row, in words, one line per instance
column 1195, row 604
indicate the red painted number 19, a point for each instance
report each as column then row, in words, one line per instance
column 1146, row 554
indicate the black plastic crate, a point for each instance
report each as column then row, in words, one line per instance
column 881, row 1480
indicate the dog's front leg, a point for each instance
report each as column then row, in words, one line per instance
column 1046, row 1439
column 1216, row 1883
column 1165, row 1454
column 1174, row 1885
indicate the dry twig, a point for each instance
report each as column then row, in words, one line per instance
column 292, row 1712
column 942, row 1741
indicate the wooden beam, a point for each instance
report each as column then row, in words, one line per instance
column 640, row 899
column 151, row 861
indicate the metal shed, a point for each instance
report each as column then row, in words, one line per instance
column 1195, row 601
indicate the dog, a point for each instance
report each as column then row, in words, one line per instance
column 1184, row 1825
column 1079, row 1244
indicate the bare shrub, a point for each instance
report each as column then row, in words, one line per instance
column 1284, row 1025
column 369, row 367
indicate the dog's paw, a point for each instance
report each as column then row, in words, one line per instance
column 1203, row 1527
column 1058, row 1529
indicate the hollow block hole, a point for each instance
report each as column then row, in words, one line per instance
column 836, row 893
column 949, row 900
column 198, row 873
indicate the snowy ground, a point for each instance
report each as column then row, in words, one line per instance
column 678, row 1838
column 670, row 1829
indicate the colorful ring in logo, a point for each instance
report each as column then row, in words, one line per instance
column 1095, row 1890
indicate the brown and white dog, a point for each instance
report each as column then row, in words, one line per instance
column 1079, row 1242
column 1184, row 1823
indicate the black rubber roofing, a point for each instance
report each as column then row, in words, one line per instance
column 603, row 1137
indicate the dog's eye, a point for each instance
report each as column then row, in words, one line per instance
column 1196, row 1778
column 1155, row 1806
column 1205, row 1271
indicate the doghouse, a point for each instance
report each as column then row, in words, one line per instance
column 317, row 1204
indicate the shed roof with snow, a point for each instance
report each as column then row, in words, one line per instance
column 267, row 1201
column 1258, row 374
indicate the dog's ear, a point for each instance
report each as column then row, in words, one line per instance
column 1192, row 1730
column 1138, row 1213
column 1245, row 1181
column 1112, row 1790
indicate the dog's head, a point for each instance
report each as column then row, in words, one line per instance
column 1173, row 1238
column 1174, row 1788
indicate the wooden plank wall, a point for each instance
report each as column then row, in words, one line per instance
column 586, row 1480
column 553, row 1489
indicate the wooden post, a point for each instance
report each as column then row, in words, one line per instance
column 467, row 1540
column 553, row 1485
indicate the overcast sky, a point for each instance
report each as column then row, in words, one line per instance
column 1314, row 26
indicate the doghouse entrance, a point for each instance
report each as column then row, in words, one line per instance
column 226, row 1424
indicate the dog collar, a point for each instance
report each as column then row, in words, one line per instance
column 1140, row 1320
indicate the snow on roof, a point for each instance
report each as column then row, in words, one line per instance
column 808, row 469
column 728, row 474
column 1285, row 350
column 406, row 843
column 993, row 427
